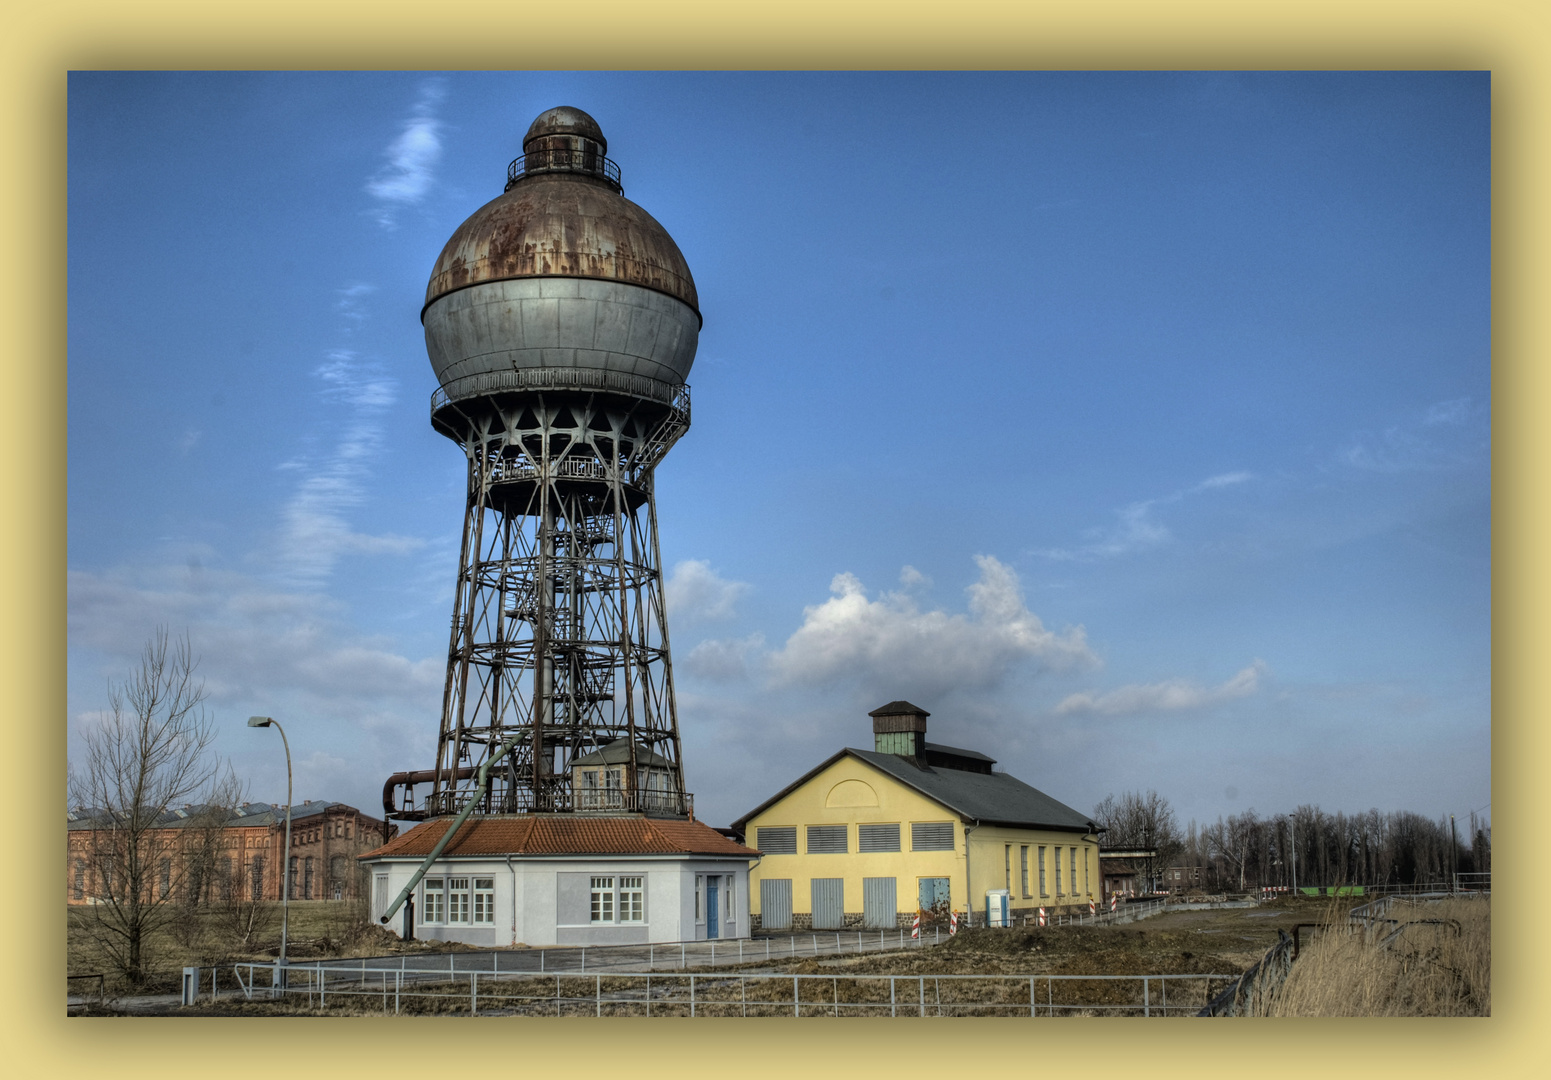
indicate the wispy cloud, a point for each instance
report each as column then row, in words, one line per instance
column 315, row 530
column 1137, row 529
column 1443, row 435
column 1170, row 695
column 407, row 175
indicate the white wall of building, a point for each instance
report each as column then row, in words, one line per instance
column 547, row 901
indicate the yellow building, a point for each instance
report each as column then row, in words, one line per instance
column 871, row 838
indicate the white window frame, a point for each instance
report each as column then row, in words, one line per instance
column 601, row 906
column 1058, row 869
column 458, row 901
column 630, row 899
column 484, row 900
column 433, row 901
column 1042, row 891
column 1074, row 872
column 699, row 904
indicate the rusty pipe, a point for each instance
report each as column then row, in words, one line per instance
column 418, row 776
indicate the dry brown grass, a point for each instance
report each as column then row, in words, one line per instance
column 319, row 929
column 1428, row 970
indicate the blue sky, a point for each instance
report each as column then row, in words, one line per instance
column 1135, row 425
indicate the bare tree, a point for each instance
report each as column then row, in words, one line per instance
column 150, row 754
column 1141, row 820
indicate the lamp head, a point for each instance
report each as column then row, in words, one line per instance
column 260, row 721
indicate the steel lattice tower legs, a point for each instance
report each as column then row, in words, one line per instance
column 559, row 626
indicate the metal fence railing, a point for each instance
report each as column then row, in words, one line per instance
column 391, row 990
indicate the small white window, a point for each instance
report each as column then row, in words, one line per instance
column 433, row 905
column 458, row 900
column 632, row 900
column 484, row 900
column 699, row 885
column 603, row 899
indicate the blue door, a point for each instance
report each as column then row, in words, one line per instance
column 711, row 909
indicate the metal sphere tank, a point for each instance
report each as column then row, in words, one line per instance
column 561, row 282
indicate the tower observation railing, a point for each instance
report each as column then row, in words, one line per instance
column 522, row 800
column 565, row 159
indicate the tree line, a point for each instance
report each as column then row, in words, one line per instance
column 1307, row 846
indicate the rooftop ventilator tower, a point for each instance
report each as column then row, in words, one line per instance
column 561, row 321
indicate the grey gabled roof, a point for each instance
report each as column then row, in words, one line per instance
column 993, row 798
column 249, row 814
column 618, row 752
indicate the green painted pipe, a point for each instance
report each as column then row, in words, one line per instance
column 482, row 780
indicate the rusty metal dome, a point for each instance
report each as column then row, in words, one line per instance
column 562, row 215
column 565, row 120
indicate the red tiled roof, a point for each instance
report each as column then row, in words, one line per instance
column 565, row 835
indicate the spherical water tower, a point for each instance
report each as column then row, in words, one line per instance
column 561, row 321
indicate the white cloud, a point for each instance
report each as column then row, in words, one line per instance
column 252, row 638
column 725, row 659
column 412, row 159
column 1137, row 529
column 695, row 592
column 1169, row 695
column 890, row 643
column 911, row 578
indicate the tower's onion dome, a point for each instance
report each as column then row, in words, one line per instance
column 563, row 275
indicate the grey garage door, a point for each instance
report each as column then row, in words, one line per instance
column 829, row 903
column 775, row 903
column 878, row 903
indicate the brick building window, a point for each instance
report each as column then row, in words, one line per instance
column 80, row 879
column 256, row 870
column 307, row 879
column 290, row 885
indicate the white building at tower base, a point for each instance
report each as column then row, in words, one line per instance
column 567, row 879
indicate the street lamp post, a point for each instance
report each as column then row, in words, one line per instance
column 285, row 859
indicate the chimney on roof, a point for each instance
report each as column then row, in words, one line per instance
column 900, row 728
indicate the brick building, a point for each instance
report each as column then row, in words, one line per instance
column 194, row 851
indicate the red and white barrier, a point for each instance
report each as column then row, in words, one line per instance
column 915, row 927
column 1042, row 916
column 953, row 923
column 1093, row 907
column 1114, row 901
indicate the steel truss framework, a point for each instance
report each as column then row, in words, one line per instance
column 559, row 627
